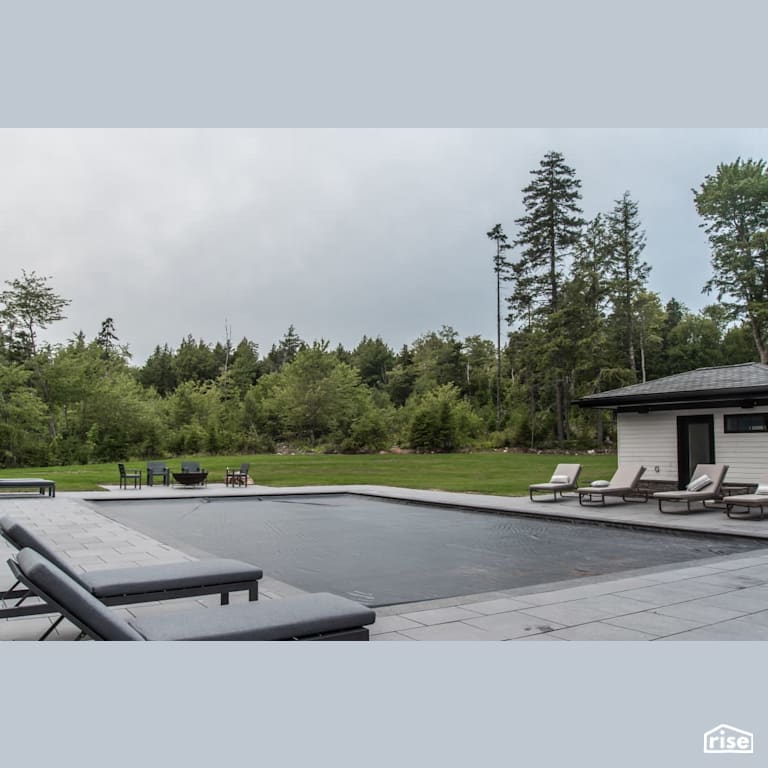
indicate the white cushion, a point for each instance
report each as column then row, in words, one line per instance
column 702, row 481
column 600, row 483
column 560, row 479
column 762, row 488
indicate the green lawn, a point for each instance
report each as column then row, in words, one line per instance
column 494, row 473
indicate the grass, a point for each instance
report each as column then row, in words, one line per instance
column 493, row 473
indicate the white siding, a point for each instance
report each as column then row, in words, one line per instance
column 651, row 438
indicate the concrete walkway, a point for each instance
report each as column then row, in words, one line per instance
column 724, row 598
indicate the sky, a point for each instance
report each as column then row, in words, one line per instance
column 339, row 232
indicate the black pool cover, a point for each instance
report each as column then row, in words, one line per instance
column 386, row 552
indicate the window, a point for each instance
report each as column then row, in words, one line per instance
column 745, row 422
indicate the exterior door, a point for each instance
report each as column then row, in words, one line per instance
column 695, row 445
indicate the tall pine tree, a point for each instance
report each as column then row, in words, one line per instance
column 627, row 274
column 548, row 234
column 501, row 268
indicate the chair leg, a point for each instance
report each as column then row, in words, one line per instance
column 51, row 628
column 9, row 592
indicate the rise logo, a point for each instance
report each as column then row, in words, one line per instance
column 727, row 740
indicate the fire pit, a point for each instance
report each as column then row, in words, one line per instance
column 190, row 478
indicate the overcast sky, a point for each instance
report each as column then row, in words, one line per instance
column 342, row 233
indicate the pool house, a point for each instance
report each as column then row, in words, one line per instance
column 707, row 416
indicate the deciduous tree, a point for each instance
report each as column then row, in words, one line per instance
column 29, row 305
column 734, row 205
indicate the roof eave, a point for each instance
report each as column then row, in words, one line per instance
column 701, row 397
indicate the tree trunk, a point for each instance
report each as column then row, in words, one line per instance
column 759, row 343
column 559, row 411
column 498, row 350
column 532, row 415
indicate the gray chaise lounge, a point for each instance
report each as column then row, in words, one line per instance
column 125, row 586
column 306, row 617
column 709, row 492
column 623, row 484
column 564, row 478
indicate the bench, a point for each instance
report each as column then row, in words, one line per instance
column 29, row 482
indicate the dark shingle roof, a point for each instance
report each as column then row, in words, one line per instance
column 721, row 382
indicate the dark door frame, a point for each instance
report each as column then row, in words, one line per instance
column 683, row 444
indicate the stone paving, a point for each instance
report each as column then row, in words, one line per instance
column 723, row 598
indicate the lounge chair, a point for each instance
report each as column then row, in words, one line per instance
column 623, row 484
column 237, row 476
column 564, row 478
column 750, row 501
column 305, row 617
column 705, row 485
column 160, row 470
column 137, row 584
column 129, row 474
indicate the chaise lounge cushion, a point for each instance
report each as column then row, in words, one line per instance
column 301, row 616
column 113, row 582
column 21, row 537
column 67, row 593
column 623, row 483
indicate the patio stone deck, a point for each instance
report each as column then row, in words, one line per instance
column 722, row 598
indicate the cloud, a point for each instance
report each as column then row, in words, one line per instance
column 339, row 232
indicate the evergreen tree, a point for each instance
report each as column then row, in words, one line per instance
column 373, row 360
column 244, row 367
column 548, row 234
column 285, row 352
column 107, row 341
column 627, row 274
column 159, row 371
column 501, row 268
column 195, row 361
column 402, row 377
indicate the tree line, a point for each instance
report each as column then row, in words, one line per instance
column 574, row 316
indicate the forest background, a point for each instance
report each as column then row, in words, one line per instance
column 574, row 317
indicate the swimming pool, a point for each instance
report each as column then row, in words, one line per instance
column 385, row 552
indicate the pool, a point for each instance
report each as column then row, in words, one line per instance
column 386, row 552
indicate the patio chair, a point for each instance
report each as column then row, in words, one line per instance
column 136, row 584
column 705, row 485
column 191, row 466
column 160, row 470
column 129, row 474
column 319, row 616
column 623, row 484
column 237, row 476
column 756, row 500
column 564, row 478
